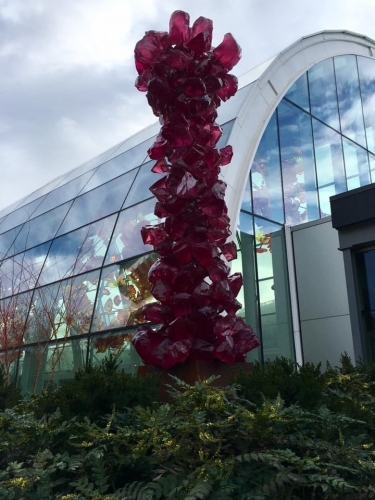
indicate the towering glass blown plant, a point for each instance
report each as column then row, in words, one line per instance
column 186, row 79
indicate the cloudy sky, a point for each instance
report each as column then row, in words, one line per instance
column 67, row 74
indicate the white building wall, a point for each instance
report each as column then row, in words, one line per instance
column 322, row 293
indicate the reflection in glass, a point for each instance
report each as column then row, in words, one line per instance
column 249, row 293
column 40, row 193
column 329, row 165
column 91, row 165
column 366, row 69
column 126, row 239
column 42, row 228
column 246, row 203
column 20, row 215
column 299, row 94
column 273, row 285
column 118, row 166
column 356, row 165
column 140, row 189
column 124, row 290
column 77, row 252
column 62, row 194
column 97, row 203
column 348, row 92
column 5, row 211
column 266, row 176
column 263, row 246
column 7, row 246
column 62, row 309
column 21, row 272
column 298, row 168
column 50, row 366
column 267, row 297
column 323, row 96
column 13, row 323
column 324, row 195
column 117, row 345
column 137, row 154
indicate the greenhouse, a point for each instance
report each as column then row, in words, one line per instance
column 73, row 267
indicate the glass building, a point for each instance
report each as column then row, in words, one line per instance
column 73, row 267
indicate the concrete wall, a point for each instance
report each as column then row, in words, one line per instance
column 322, row 292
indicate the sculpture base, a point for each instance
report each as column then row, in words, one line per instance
column 195, row 371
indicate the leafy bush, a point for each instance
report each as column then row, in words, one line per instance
column 95, row 391
column 208, row 443
column 280, row 377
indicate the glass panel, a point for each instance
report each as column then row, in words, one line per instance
column 7, row 247
column 356, row 165
column 298, row 93
column 63, row 309
column 119, row 165
column 328, row 157
column 13, row 324
column 249, row 293
column 348, row 92
column 267, row 298
column 126, row 240
column 140, row 189
column 124, row 290
column 266, row 176
column 329, row 165
column 49, row 366
column 324, row 195
column 21, row 272
column 226, row 128
column 91, row 165
column 323, row 95
column 277, row 332
column 117, row 345
column 97, row 203
column 78, row 251
column 298, row 169
column 62, row 194
column 138, row 152
column 42, row 228
column 263, row 246
column 20, row 215
column 41, row 192
column 246, row 199
column 366, row 69
column 6, row 210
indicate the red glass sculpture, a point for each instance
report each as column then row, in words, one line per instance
column 186, row 79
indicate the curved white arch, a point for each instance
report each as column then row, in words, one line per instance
column 266, row 93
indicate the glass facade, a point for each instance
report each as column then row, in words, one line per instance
column 73, row 267
column 319, row 142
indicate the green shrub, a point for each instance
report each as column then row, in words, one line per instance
column 95, row 391
column 280, row 377
column 207, row 443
